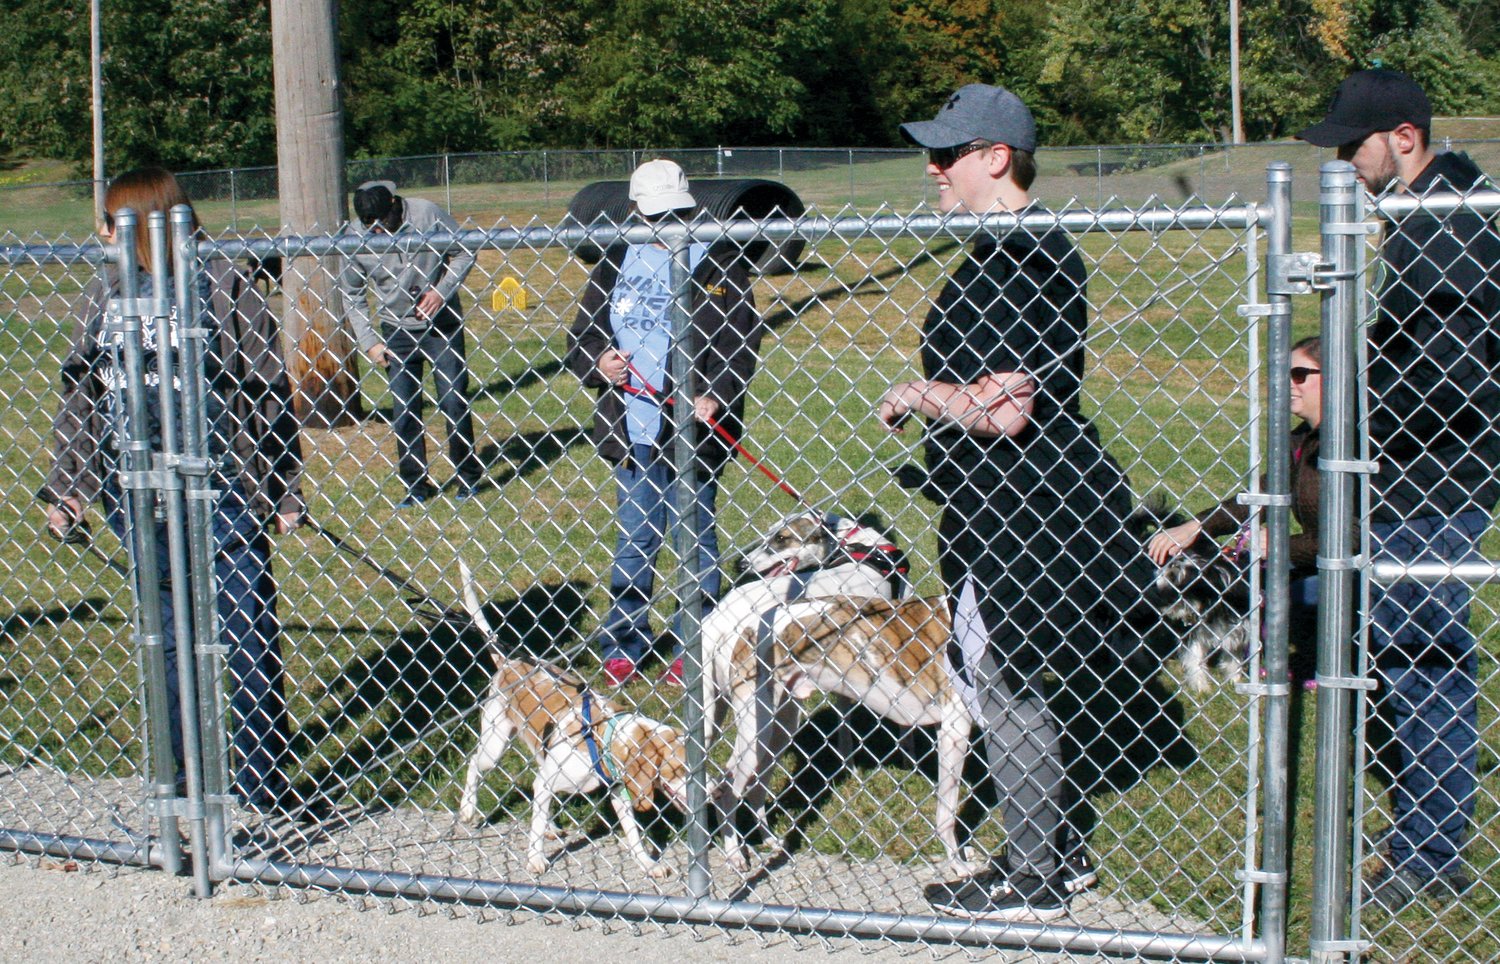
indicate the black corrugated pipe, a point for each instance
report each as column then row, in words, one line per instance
column 723, row 199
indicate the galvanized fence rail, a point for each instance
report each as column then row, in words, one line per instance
column 1184, row 795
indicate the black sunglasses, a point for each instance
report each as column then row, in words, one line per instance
column 946, row 157
column 1300, row 374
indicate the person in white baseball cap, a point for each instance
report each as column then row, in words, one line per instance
column 621, row 345
column 659, row 186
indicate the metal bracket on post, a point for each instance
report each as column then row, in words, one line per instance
column 1259, row 877
column 1347, row 683
column 1292, row 273
column 1263, row 499
column 1352, row 466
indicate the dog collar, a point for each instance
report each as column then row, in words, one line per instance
column 598, row 758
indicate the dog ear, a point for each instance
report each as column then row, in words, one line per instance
column 639, row 771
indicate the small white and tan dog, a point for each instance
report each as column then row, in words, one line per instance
column 579, row 741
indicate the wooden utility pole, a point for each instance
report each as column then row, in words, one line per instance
column 310, row 179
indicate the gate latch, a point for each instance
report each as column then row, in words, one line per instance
column 1297, row 273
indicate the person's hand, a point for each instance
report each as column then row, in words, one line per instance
column 705, row 408
column 379, row 355
column 287, row 521
column 895, row 407
column 428, row 304
column 614, row 365
column 62, row 517
column 1169, row 542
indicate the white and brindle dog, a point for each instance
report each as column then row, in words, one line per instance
column 891, row 657
column 579, row 742
column 807, row 556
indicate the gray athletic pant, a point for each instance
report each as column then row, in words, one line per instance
column 1021, row 741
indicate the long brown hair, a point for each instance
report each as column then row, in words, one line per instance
column 144, row 190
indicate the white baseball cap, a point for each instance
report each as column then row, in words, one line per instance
column 659, row 186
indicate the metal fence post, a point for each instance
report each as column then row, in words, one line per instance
column 194, row 467
column 1278, row 501
column 1338, row 212
column 167, row 465
column 138, row 488
column 690, row 606
column 447, row 183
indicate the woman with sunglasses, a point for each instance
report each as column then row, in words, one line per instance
column 257, row 467
column 1230, row 517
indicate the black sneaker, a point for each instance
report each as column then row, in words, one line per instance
column 1394, row 889
column 944, row 895
column 1020, row 898
column 1076, row 874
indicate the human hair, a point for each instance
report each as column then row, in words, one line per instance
column 1022, row 168
column 1312, row 347
column 144, row 190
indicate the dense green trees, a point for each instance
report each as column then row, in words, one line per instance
column 189, row 80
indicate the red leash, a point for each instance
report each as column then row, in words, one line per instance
column 722, row 432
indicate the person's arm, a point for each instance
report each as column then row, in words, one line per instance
column 457, row 264
column 999, row 404
column 732, row 355
column 273, row 424
column 73, row 479
column 591, row 337
column 353, row 282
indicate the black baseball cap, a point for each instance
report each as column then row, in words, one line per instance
column 1368, row 101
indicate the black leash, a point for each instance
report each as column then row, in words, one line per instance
column 81, row 536
column 424, row 605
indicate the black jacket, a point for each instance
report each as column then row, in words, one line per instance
column 1435, row 356
column 723, row 344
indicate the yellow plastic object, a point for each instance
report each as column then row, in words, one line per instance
column 508, row 294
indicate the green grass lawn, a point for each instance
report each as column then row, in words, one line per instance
column 383, row 704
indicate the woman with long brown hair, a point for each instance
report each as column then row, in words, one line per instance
column 254, row 448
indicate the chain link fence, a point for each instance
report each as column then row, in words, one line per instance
column 395, row 702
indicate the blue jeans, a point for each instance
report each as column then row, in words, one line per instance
column 1424, row 655
column 646, row 500
column 246, row 592
column 441, row 344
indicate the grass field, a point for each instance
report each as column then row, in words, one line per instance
column 382, row 702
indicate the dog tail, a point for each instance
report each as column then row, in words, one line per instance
column 476, row 611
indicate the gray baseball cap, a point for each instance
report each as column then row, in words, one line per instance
column 977, row 112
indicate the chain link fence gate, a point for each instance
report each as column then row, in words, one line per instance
column 1186, row 793
column 1410, row 307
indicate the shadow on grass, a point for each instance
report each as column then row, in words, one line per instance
column 508, row 385
column 791, row 310
column 1117, row 729
column 388, row 714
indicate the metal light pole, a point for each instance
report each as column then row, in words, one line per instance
column 96, row 70
column 1237, row 120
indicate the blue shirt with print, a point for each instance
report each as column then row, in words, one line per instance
column 640, row 314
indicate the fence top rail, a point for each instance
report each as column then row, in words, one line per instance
column 1394, row 207
column 813, row 229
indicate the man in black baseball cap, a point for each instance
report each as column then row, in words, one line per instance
column 1432, row 398
column 1381, row 122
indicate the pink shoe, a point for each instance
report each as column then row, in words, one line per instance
column 672, row 675
column 619, row 671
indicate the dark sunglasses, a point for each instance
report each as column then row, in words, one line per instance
column 946, row 157
column 1300, row 374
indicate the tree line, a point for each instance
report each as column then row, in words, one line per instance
column 188, row 82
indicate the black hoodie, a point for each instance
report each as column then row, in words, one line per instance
column 1435, row 356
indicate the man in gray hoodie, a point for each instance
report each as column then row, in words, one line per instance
column 415, row 293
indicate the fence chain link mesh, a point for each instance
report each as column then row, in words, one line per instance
column 387, row 674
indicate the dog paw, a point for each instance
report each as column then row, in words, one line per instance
column 469, row 817
column 966, row 864
column 738, row 860
column 659, row 871
column 536, row 865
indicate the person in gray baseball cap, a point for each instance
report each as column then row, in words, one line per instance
column 1030, row 538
